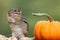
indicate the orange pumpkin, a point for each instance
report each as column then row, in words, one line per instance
column 47, row 30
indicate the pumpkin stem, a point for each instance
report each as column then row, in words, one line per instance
column 43, row 14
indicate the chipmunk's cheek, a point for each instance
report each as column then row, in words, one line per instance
column 12, row 20
column 20, row 11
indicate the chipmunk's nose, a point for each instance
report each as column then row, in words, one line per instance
column 15, row 10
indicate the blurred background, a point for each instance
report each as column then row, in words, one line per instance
column 51, row 7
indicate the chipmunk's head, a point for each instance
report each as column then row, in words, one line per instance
column 15, row 13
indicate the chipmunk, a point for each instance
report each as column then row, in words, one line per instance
column 17, row 22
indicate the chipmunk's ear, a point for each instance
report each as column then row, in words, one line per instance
column 8, row 13
column 19, row 9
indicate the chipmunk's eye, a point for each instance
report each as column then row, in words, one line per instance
column 14, row 10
